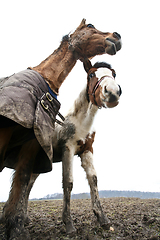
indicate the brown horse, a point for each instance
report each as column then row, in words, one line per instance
column 27, row 114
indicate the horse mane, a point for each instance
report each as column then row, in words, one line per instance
column 63, row 41
column 65, row 38
column 102, row 64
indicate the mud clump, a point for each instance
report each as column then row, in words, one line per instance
column 131, row 218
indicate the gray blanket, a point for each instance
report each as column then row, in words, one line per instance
column 25, row 99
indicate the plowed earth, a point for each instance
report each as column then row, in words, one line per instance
column 131, row 218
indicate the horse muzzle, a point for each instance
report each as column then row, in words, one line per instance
column 113, row 44
column 113, row 98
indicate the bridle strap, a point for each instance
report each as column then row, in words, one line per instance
column 94, row 95
column 98, row 83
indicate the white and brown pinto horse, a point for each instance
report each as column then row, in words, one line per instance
column 74, row 137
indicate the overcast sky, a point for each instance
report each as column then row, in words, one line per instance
column 126, row 148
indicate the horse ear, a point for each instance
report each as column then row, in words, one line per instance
column 87, row 64
column 82, row 24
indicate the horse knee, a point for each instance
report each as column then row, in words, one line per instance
column 68, row 186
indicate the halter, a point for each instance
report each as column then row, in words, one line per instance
column 94, row 92
column 98, row 83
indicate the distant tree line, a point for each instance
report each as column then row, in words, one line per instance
column 105, row 194
column 136, row 194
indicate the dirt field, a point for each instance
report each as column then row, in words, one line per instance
column 131, row 218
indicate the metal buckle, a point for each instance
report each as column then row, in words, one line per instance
column 43, row 105
column 49, row 97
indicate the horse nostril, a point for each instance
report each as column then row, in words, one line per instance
column 105, row 89
column 112, row 98
column 117, row 35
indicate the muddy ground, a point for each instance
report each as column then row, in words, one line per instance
column 131, row 218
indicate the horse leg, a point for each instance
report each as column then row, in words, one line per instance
column 30, row 185
column 87, row 164
column 5, row 136
column 67, row 188
column 15, row 209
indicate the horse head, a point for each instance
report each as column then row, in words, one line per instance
column 102, row 89
column 88, row 42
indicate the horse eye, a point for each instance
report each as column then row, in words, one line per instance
column 91, row 75
column 90, row 25
column 114, row 74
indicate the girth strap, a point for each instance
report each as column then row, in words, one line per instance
column 51, row 105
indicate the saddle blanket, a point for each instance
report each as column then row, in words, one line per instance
column 26, row 99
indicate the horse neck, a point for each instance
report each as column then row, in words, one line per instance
column 57, row 66
column 83, row 110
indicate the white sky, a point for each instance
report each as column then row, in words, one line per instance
column 126, row 148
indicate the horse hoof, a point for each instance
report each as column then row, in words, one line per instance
column 70, row 229
column 19, row 234
column 27, row 220
column 105, row 223
column 15, row 229
column 106, row 226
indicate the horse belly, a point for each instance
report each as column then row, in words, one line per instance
column 6, row 122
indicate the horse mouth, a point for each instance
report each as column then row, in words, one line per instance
column 112, row 104
column 113, row 46
column 109, row 104
column 112, row 101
